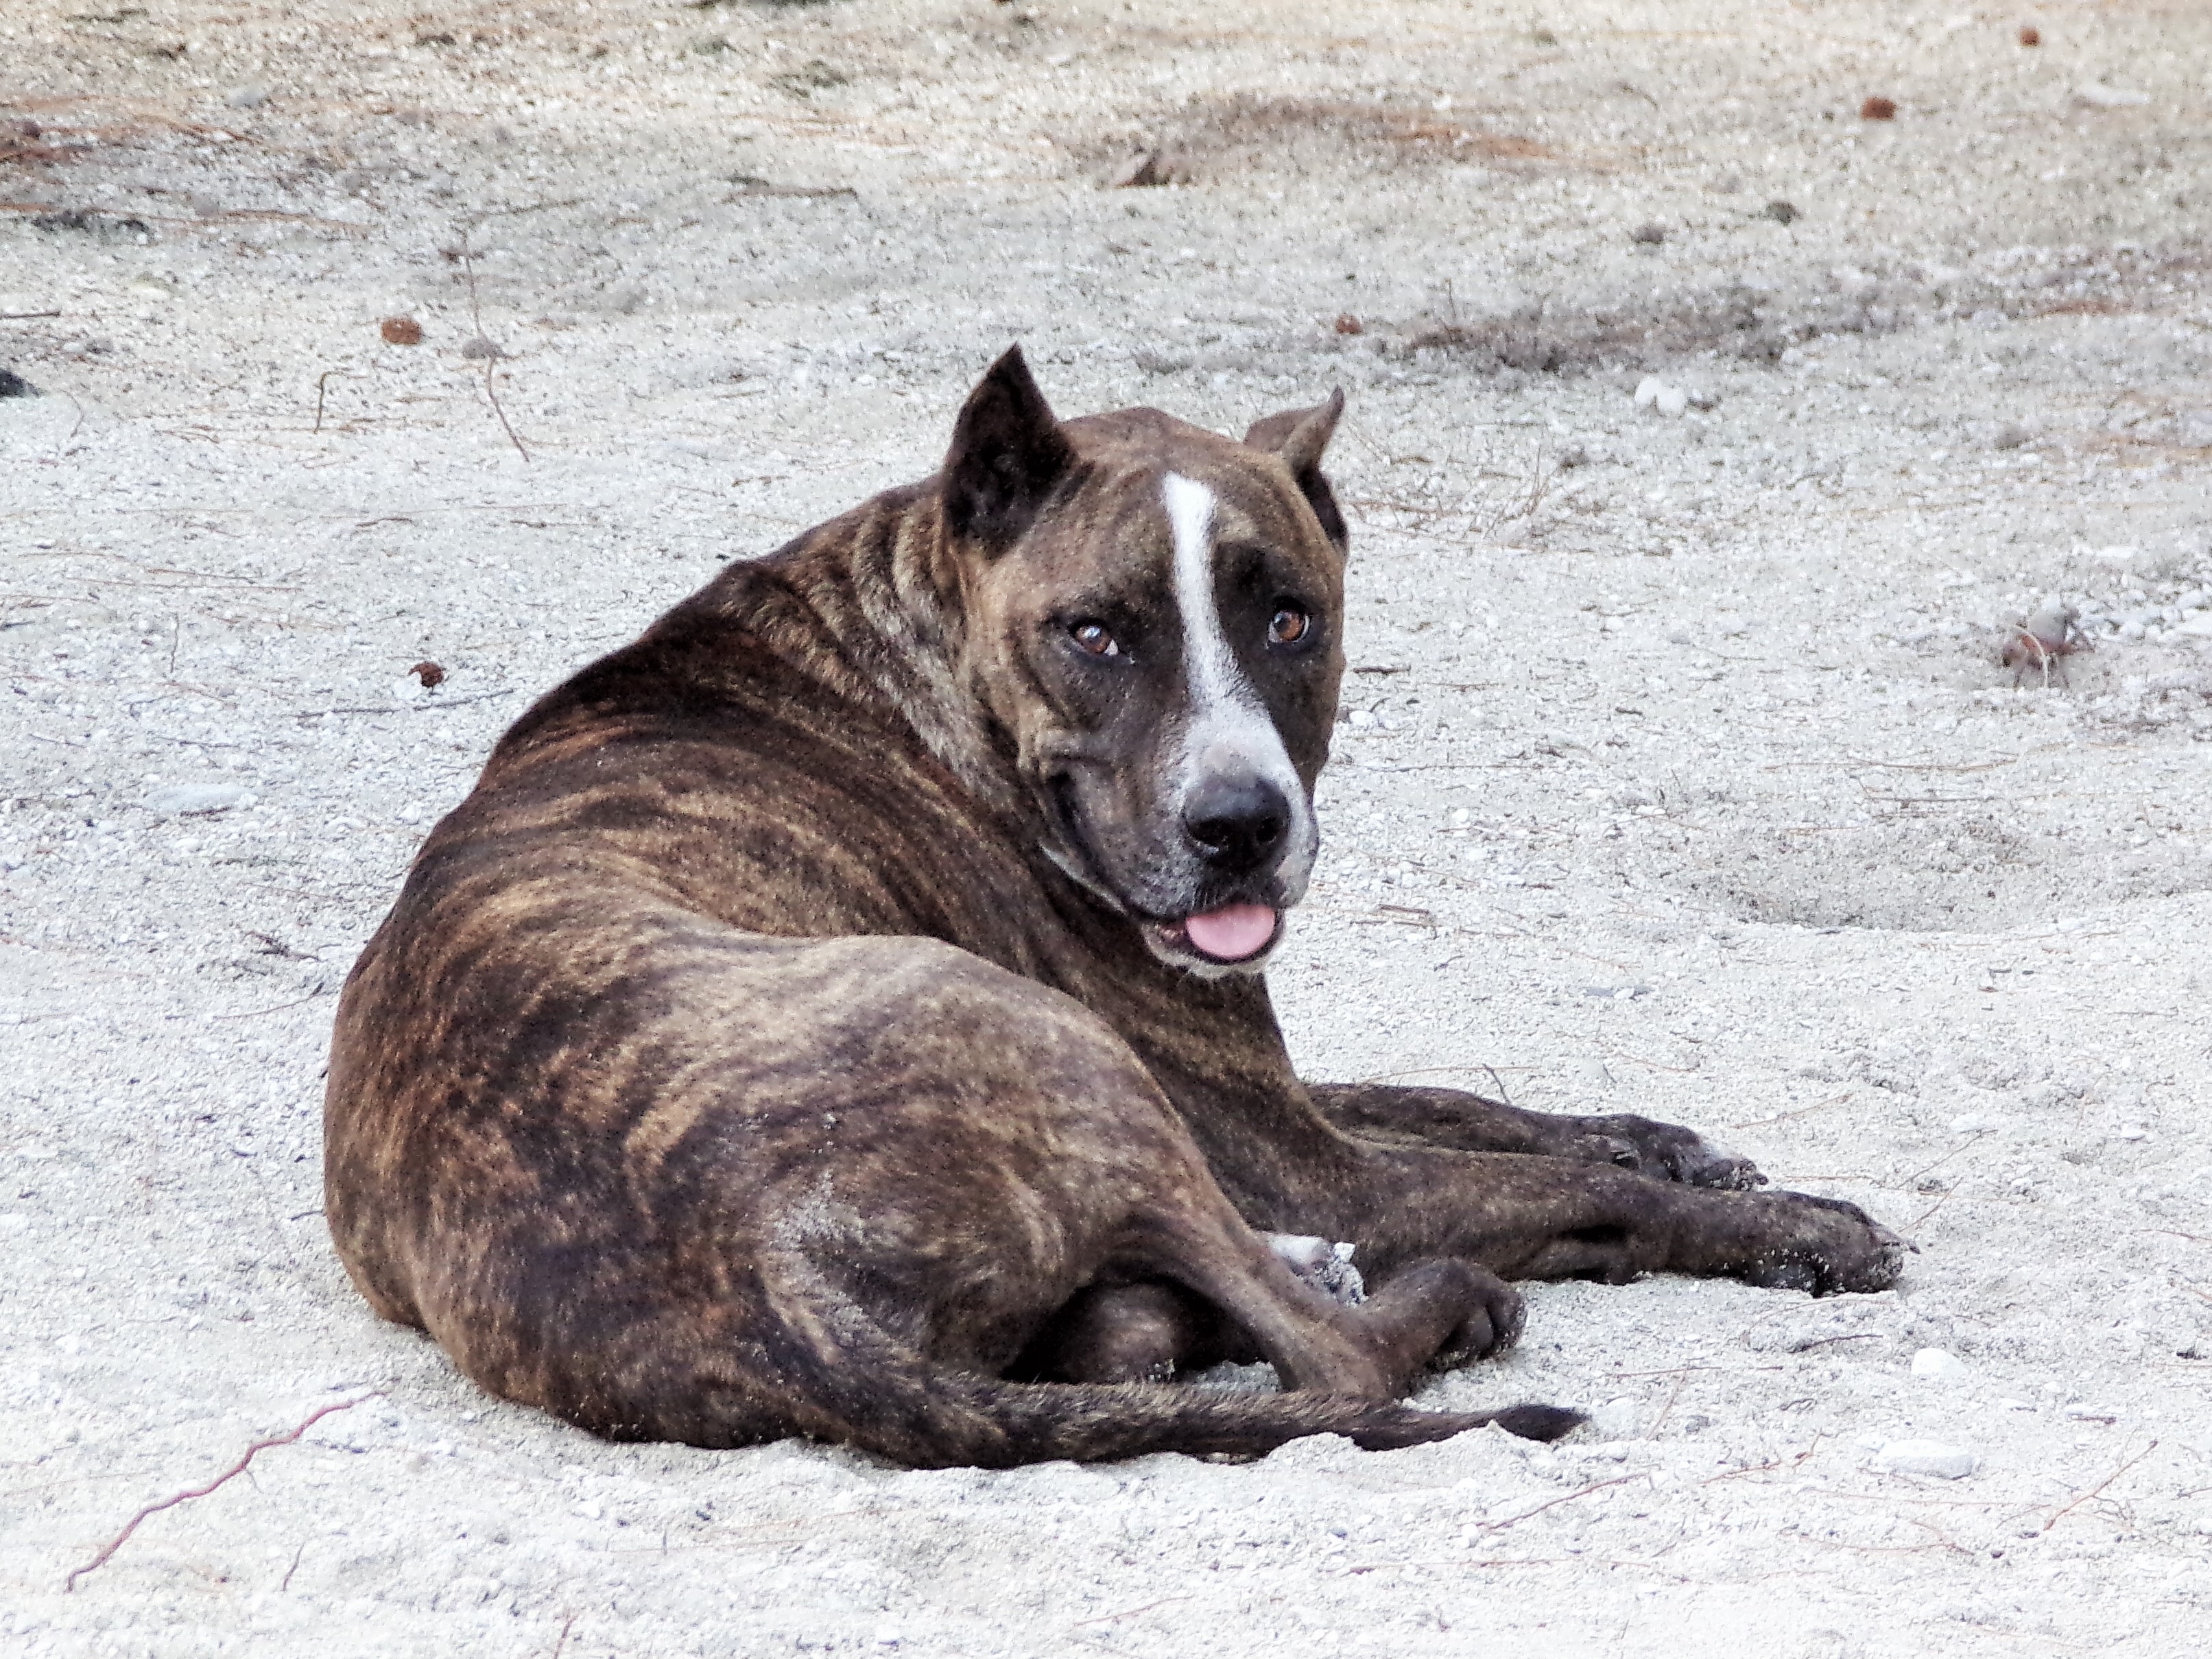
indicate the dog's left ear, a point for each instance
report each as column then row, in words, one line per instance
column 1300, row 436
column 1008, row 453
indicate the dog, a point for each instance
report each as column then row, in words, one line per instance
column 840, row 1012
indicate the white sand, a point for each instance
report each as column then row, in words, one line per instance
column 1715, row 713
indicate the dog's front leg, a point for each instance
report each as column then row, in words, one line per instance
column 1544, row 1217
column 1474, row 1123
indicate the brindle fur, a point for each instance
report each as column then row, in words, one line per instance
column 772, row 1043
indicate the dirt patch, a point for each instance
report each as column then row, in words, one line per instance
column 1250, row 135
column 1541, row 339
column 1741, row 321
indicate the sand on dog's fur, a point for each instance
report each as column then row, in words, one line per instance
column 1679, row 773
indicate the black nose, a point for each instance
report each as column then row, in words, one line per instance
column 1239, row 821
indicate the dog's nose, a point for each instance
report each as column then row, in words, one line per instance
column 1239, row 821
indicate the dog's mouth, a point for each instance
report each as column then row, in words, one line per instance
column 1235, row 935
column 1229, row 936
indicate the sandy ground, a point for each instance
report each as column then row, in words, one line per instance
column 1678, row 771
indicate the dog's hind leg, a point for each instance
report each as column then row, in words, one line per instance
column 1142, row 1332
column 1434, row 1315
column 864, row 1386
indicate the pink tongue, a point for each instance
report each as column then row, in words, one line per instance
column 1232, row 933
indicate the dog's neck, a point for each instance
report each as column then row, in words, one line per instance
column 882, row 583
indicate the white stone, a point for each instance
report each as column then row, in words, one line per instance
column 2101, row 97
column 1937, row 1363
column 180, row 798
column 1647, row 390
column 1616, row 1420
column 1671, row 400
column 1934, row 1457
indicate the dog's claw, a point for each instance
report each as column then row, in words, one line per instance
column 1667, row 1151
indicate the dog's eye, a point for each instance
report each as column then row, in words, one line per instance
column 1289, row 626
column 1093, row 637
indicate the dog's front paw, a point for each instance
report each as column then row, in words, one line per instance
column 1826, row 1246
column 1665, row 1152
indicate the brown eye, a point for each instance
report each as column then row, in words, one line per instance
column 1093, row 637
column 1290, row 625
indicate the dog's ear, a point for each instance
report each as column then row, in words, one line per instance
column 1300, row 436
column 1008, row 453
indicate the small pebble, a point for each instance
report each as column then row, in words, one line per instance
column 1652, row 392
column 482, row 350
column 2098, row 95
column 180, row 799
column 1878, row 108
column 2030, row 35
column 1937, row 1364
column 248, row 98
column 400, row 330
column 1616, row 1420
column 1934, row 1457
column 13, row 385
column 1348, row 324
column 1650, row 235
column 1781, row 212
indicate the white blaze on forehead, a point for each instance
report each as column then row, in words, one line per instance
column 1228, row 720
column 1213, row 671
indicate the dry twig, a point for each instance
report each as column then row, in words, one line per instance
column 491, row 362
column 1129, row 1612
column 2060, row 1513
column 1802, row 1111
column 108, row 1549
column 322, row 390
column 1553, row 1502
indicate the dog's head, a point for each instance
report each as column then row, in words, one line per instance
column 1152, row 617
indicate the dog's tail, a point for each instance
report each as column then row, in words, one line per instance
column 843, row 1377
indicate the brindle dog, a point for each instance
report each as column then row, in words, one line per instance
column 837, row 1013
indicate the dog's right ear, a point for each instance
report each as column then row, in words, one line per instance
column 1008, row 455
